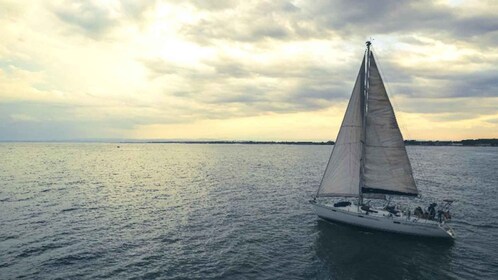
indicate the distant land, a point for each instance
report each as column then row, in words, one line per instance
column 233, row 142
column 467, row 142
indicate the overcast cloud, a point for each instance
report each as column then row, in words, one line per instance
column 271, row 70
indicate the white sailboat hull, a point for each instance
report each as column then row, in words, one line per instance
column 382, row 221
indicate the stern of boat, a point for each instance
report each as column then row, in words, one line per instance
column 446, row 228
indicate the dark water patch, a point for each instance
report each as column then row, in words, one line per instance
column 168, row 240
column 113, row 274
column 93, row 208
column 162, row 196
column 77, row 183
column 44, row 183
column 70, row 209
column 36, row 251
column 24, row 199
column 72, row 259
column 8, row 237
column 150, row 275
column 489, row 224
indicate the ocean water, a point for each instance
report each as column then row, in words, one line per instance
column 178, row 211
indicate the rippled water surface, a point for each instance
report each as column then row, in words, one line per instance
column 178, row 211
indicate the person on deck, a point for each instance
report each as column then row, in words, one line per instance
column 432, row 211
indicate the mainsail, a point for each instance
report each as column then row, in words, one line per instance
column 385, row 163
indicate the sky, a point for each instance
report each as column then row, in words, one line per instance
column 242, row 70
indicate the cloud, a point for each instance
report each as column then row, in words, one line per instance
column 439, row 85
column 493, row 121
column 278, row 85
column 292, row 20
column 136, row 10
column 252, row 22
column 96, row 19
column 55, row 120
column 23, row 118
column 364, row 18
column 86, row 16
column 122, row 66
column 448, row 109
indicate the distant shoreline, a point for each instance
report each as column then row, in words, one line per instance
column 233, row 142
column 468, row 142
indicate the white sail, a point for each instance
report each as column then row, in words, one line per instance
column 387, row 168
column 342, row 174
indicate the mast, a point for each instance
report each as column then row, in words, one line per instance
column 364, row 108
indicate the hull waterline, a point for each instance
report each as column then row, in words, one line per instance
column 413, row 227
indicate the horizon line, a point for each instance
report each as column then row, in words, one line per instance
column 153, row 140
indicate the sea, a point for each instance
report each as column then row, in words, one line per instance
column 226, row 211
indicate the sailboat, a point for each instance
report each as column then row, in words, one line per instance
column 369, row 163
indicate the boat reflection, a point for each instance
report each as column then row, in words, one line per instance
column 353, row 253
